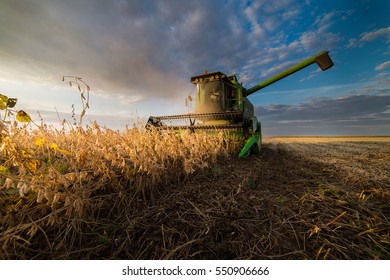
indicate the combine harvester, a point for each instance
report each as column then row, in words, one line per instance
column 221, row 103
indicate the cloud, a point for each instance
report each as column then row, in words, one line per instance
column 148, row 49
column 381, row 81
column 353, row 43
column 128, row 47
column 347, row 14
column 318, row 36
column 257, row 30
column 311, row 75
column 121, row 46
column 329, row 115
column 382, row 65
column 325, row 21
column 319, row 40
column 278, row 68
column 291, row 14
column 373, row 35
column 369, row 36
column 330, row 109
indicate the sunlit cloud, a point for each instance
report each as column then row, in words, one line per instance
column 382, row 65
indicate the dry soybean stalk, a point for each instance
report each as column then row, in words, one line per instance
column 83, row 89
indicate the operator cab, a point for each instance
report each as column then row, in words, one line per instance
column 215, row 92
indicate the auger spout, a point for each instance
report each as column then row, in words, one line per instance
column 322, row 59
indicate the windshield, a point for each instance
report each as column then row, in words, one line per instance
column 210, row 96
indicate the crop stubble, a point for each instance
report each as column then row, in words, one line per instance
column 301, row 198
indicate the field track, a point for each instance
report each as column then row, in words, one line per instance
column 300, row 198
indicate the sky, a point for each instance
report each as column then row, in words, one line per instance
column 137, row 56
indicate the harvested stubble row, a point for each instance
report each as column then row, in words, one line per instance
column 299, row 199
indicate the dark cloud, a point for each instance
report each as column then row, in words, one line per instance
column 117, row 46
column 352, row 114
column 148, row 48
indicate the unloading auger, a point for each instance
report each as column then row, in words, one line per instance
column 221, row 103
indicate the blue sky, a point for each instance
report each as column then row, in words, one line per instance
column 138, row 57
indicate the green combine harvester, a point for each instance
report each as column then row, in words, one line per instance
column 221, row 103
